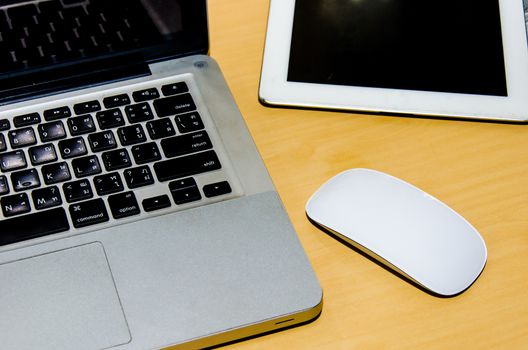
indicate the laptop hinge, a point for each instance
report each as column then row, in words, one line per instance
column 41, row 83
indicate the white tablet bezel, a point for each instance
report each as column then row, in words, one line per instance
column 275, row 89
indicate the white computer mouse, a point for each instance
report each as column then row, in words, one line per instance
column 402, row 227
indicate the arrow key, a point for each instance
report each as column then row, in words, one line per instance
column 156, row 203
column 217, row 189
column 184, row 191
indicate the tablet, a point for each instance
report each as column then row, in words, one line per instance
column 451, row 58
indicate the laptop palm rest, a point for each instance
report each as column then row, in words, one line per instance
column 65, row 299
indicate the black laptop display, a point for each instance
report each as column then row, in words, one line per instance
column 51, row 45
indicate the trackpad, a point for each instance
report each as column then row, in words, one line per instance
column 61, row 300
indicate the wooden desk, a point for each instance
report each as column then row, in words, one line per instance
column 479, row 169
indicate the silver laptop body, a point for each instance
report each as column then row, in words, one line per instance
column 212, row 265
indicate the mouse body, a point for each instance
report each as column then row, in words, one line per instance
column 402, row 227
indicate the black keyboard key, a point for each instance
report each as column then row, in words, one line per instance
column 111, row 118
column 117, row 159
column 52, row 131
column 86, row 166
column 174, row 105
column 4, row 124
column 139, row 113
column 42, row 154
column 45, row 198
column 145, row 153
column 188, row 143
column 57, row 113
column 173, row 89
column 88, row 213
column 187, row 166
column 145, row 95
column 87, row 107
column 77, row 190
column 160, row 128
column 130, row 135
column 25, row 180
column 102, row 141
column 3, row 145
column 138, row 177
column 26, row 119
column 55, row 173
column 12, row 161
column 123, row 205
column 184, row 191
column 81, row 125
column 4, row 185
column 217, row 189
column 14, row 205
column 116, row 101
column 22, row 137
column 156, row 203
column 33, row 225
column 73, row 147
column 188, row 122
column 108, row 183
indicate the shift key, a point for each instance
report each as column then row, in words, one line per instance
column 88, row 213
column 186, row 166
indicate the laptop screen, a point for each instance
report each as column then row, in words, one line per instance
column 44, row 40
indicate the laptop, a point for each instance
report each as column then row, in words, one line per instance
column 135, row 211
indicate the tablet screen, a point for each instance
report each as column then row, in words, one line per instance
column 452, row 46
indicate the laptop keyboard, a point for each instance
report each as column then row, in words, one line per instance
column 101, row 161
column 53, row 31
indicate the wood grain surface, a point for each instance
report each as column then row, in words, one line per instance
column 479, row 169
